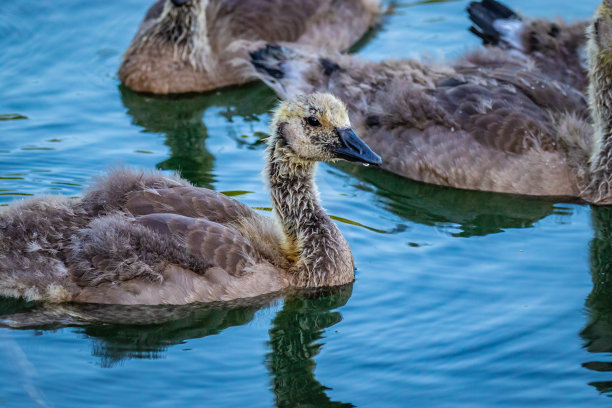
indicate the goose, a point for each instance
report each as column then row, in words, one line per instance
column 147, row 238
column 185, row 45
column 556, row 47
column 490, row 121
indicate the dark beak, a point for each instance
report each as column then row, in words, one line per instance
column 179, row 3
column 354, row 149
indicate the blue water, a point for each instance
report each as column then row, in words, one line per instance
column 461, row 298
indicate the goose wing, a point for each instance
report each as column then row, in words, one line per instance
column 119, row 248
column 141, row 192
column 508, row 107
column 220, row 245
column 188, row 201
column 498, row 117
column 167, row 258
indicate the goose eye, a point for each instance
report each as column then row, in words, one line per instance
column 312, row 121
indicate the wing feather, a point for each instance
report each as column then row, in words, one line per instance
column 221, row 245
column 188, row 201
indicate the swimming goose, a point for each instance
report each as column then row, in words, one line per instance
column 489, row 121
column 147, row 238
column 556, row 47
column 185, row 45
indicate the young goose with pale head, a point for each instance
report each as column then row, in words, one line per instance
column 186, row 45
column 490, row 121
column 145, row 238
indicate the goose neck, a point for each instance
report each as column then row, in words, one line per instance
column 312, row 242
column 600, row 101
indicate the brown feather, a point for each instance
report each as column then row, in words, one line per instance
column 191, row 48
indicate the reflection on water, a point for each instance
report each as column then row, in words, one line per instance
column 597, row 333
column 125, row 332
column 180, row 119
column 476, row 213
column 295, row 338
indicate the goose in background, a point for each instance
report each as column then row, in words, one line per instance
column 489, row 121
column 558, row 48
column 148, row 238
column 185, row 45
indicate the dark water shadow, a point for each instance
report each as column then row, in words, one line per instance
column 181, row 119
column 597, row 333
column 474, row 213
column 118, row 333
column 295, row 338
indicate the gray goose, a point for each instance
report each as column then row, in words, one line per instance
column 186, row 45
column 489, row 121
column 557, row 47
column 147, row 238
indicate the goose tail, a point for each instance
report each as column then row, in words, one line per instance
column 495, row 23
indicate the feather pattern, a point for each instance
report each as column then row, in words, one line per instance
column 149, row 238
column 189, row 48
column 490, row 121
column 556, row 47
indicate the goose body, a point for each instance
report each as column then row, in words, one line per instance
column 491, row 120
column 188, row 45
column 556, row 47
column 147, row 238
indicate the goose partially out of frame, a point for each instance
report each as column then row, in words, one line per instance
column 491, row 120
column 557, row 47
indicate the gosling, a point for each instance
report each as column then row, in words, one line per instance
column 491, row 121
column 556, row 47
column 188, row 45
column 148, row 238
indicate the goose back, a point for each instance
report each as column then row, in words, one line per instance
column 138, row 238
column 158, row 63
column 556, row 47
column 489, row 121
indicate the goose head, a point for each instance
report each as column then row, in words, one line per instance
column 316, row 127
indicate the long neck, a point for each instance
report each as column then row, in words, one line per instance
column 600, row 100
column 312, row 241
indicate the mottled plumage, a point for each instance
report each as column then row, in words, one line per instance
column 189, row 47
column 492, row 120
column 147, row 238
column 556, row 47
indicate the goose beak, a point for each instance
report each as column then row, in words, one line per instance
column 355, row 150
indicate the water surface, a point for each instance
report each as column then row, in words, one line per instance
column 461, row 298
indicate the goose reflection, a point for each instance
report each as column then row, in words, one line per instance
column 474, row 213
column 180, row 119
column 294, row 340
column 597, row 333
column 119, row 333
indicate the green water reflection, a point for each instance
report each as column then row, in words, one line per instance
column 118, row 333
column 476, row 213
column 597, row 333
column 180, row 119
